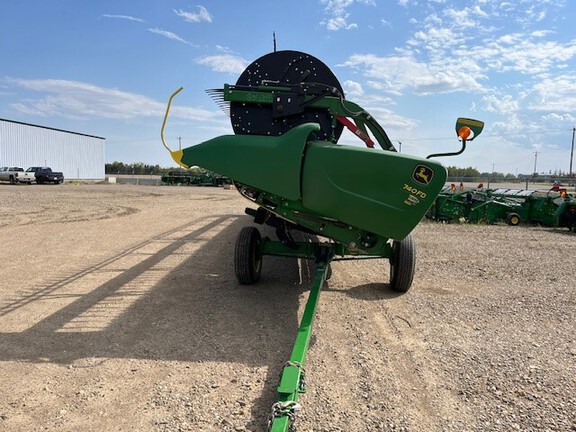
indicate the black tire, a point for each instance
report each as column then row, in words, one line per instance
column 403, row 264
column 247, row 256
column 13, row 180
column 512, row 219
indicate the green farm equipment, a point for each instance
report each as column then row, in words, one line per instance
column 554, row 208
column 189, row 178
column 177, row 178
column 475, row 206
column 288, row 112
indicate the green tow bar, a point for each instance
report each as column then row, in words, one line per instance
column 292, row 380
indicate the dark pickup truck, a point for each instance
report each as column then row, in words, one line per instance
column 46, row 175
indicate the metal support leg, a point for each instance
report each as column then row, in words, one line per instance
column 292, row 380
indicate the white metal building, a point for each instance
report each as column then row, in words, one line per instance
column 78, row 156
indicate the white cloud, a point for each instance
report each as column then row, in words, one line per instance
column 338, row 16
column 352, row 89
column 78, row 100
column 124, row 17
column 556, row 94
column 227, row 63
column 389, row 118
column 436, row 40
column 338, row 23
column 522, row 53
column 397, row 73
column 195, row 17
column 223, row 49
column 502, row 104
column 169, row 35
column 465, row 17
column 559, row 119
column 465, row 33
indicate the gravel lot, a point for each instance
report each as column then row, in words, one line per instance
column 119, row 311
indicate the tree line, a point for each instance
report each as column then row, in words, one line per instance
column 137, row 168
column 467, row 174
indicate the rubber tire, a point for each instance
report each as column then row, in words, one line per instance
column 513, row 219
column 403, row 264
column 247, row 256
column 13, row 180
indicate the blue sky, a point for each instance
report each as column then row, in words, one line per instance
column 107, row 68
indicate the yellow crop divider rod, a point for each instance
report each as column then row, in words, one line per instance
column 176, row 154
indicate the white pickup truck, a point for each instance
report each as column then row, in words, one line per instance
column 16, row 175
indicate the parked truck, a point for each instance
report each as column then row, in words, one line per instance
column 16, row 175
column 46, row 175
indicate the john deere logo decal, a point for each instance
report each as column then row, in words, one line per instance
column 422, row 174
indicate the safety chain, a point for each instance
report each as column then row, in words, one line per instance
column 284, row 409
column 302, row 383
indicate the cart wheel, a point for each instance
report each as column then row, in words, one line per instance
column 512, row 219
column 247, row 256
column 402, row 264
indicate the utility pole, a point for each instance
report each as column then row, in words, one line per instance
column 400, row 149
column 535, row 160
column 572, row 151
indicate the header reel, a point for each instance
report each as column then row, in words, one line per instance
column 294, row 80
column 284, row 89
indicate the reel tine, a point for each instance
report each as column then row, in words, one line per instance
column 217, row 96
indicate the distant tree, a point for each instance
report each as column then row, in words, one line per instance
column 136, row 168
column 462, row 173
column 115, row 168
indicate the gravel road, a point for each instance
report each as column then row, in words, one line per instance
column 120, row 311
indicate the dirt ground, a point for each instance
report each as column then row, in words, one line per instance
column 120, row 311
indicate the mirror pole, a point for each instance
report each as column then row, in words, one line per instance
column 450, row 154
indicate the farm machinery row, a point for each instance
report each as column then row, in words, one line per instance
column 191, row 178
column 553, row 208
column 324, row 201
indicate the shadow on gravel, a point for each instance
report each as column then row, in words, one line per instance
column 370, row 291
column 196, row 312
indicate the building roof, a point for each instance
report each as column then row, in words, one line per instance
column 51, row 128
